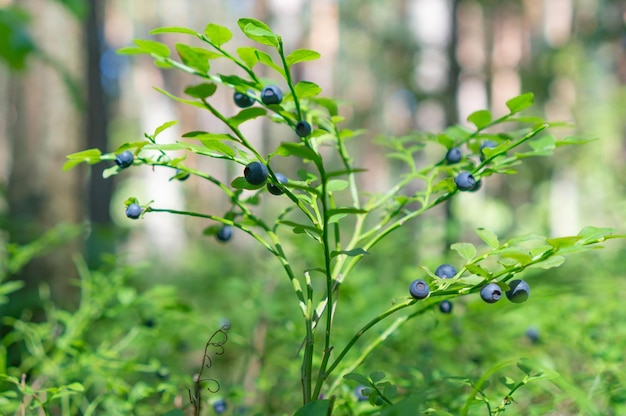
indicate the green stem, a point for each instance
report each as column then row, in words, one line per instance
column 281, row 52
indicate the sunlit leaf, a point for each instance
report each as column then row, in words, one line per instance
column 217, row 34
column 489, row 237
column 163, row 127
column 247, row 114
column 465, row 250
column 521, row 102
column 480, row 118
column 306, row 89
column 549, row 263
column 258, row 31
column 201, row 90
column 174, row 29
column 248, row 55
column 192, row 58
column 153, row 47
column 301, row 55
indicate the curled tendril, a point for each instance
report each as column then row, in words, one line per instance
column 214, row 346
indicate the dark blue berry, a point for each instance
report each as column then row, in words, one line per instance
column 518, row 292
column 303, row 128
column 219, row 406
column 491, row 293
column 419, row 289
column 445, row 271
column 275, row 190
column 124, row 159
column 477, row 186
column 445, row 306
column 149, row 323
column 133, row 211
column 243, row 100
column 465, row 181
column 359, row 392
column 271, row 95
column 255, row 173
column 454, row 155
column 533, row 334
column 225, row 233
column 182, row 175
column 486, row 144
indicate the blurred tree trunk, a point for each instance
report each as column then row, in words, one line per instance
column 99, row 190
column 46, row 127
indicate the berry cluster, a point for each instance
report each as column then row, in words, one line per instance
column 518, row 290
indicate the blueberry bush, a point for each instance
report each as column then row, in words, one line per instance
column 322, row 202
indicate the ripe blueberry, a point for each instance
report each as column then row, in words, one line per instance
column 518, row 292
column 133, row 211
column 225, row 233
column 419, row 289
column 275, row 190
column 465, row 181
column 445, row 306
column 484, row 145
column 477, row 186
column 359, row 392
column 255, row 173
column 219, row 406
column 491, row 293
column 454, row 155
column 445, row 271
column 271, row 95
column 243, row 100
column 303, row 128
column 533, row 334
column 124, row 159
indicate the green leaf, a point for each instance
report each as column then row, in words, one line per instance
column 217, row 34
column 267, row 60
column 472, row 279
column 236, row 81
column 518, row 254
column 563, row 242
column 193, row 58
column 489, row 237
column 329, row 104
column 476, row 269
column 247, row 114
column 173, row 29
column 241, row 183
column 521, row 102
column 543, row 144
column 376, row 376
column 306, row 89
column 163, row 127
column 258, row 32
column 315, row 408
column 361, row 379
column 591, row 234
column 465, row 250
column 480, row 118
column 301, row 55
column 112, row 171
column 153, row 47
column 350, row 253
column 554, row 261
column 345, row 210
column 218, row 146
column 130, row 50
column 201, row 91
column 507, row 382
column 336, row 185
column 91, row 156
column 248, row 55
column 297, row 227
column 180, row 100
column 298, row 150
